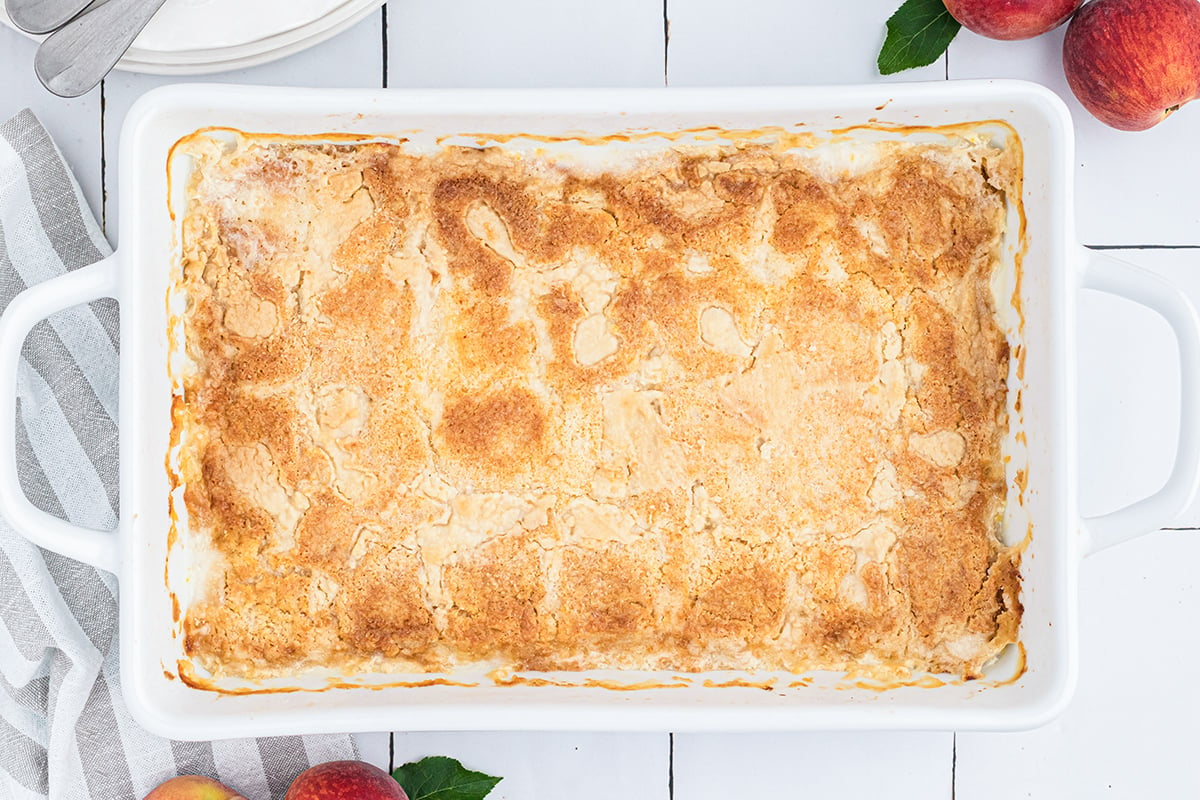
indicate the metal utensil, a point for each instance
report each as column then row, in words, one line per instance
column 78, row 55
column 44, row 16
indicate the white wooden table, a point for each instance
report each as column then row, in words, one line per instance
column 1128, row 733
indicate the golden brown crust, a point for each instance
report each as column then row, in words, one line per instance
column 723, row 409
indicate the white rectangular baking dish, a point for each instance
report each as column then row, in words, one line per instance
column 1055, row 269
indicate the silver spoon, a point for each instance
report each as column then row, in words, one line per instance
column 43, row 16
column 78, row 55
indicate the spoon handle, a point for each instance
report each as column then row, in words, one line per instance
column 43, row 16
column 78, row 55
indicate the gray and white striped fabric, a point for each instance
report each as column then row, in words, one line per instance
column 64, row 729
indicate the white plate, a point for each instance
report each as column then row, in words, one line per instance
column 278, row 28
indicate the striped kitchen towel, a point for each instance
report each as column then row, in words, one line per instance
column 64, row 729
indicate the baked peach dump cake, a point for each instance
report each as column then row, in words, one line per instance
column 727, row 405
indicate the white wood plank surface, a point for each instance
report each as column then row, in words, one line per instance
column 1127, row 732
column 813, row 765
column 777, row 42
column 375, row 748
column 1132, row 188
column 554, row 766
column 73, row 124
column 478, row 43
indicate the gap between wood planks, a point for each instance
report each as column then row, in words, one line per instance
column 666, row 44
column 103, row 167
column 954, row 766
column 383, row 24
column 1142, row 246
column 670, row 766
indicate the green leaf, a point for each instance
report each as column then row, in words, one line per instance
column 442, row 778
column 917, row 35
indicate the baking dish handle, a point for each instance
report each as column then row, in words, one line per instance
column 98, row 548
column 1107, row 274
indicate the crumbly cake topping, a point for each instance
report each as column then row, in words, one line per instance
column 725, row 407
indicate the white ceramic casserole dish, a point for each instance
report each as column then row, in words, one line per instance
column 1055, row 269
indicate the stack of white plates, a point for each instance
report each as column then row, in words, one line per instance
column 197, row 36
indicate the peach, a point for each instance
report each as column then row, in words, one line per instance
column 345, row 780
column 193, row 787
column 1133, row 62
column 1011, row 19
